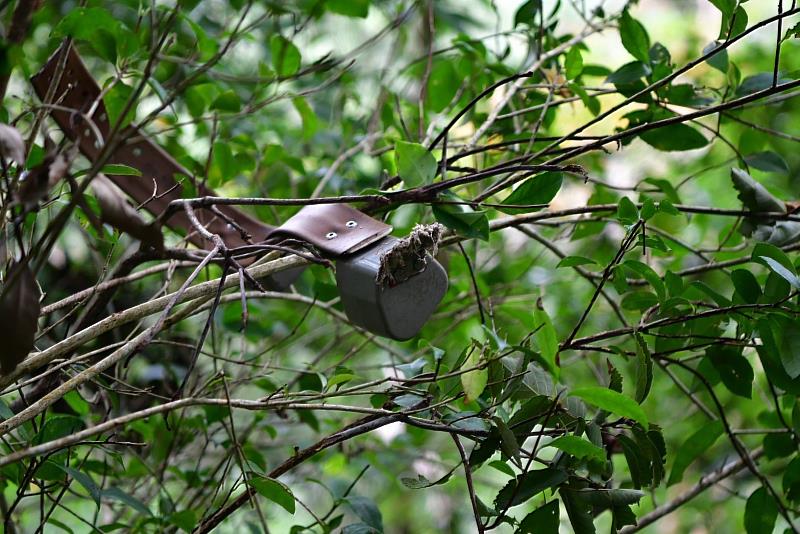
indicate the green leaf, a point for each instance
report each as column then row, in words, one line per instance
column 613, row 402
column 644, row 370
column 474, row 382
column 720, row 59
column 578, row 447
column 462, row 219
column 360, row 528
column 76, row 402
column 415, row 164
column 734, row 24
column 758, row 82
column 309, row 118
column 648, row 274
column 82, row 22
column 604, row 499
column 760, row 512
column 698, row 443
column 527, row 13
column 573, row 63
column 579, row 512
column 422, row 482
column 223, row 165
column 574, row 261
column 366, row 510
column 627, row 212
column 349, row 8
column 546, row 337
column 535, row 192
column 767, row 161
column 274, row 490
column 285, row 56
column 666, row 187
column 227, row 101
column 543, row 520
column 84, row 480
column 674, row 137
column 746, row 285
column 186, row 520
column 791, row 480
column 117, row 169
column 58, row 426
column 629, row 73
column 614, row 377
column 793, row 32
column 725, row 6
column 119, row 495
column 115, row 100
column 508, row 441
column 734, row 369
column 528, row 485
column 443, row 85
column 634, row 37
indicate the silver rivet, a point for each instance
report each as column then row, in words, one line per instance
column 351, row 224
column 330, row 235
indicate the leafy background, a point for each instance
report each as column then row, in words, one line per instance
column 327, row 98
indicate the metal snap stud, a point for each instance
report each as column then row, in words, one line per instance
column 351, row 224
column 330, row 235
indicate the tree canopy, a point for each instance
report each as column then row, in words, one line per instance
column 619, row 345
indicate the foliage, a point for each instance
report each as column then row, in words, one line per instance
column 620, row 339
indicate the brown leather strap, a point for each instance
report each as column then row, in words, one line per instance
column 76, row 93
column 334, row 229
